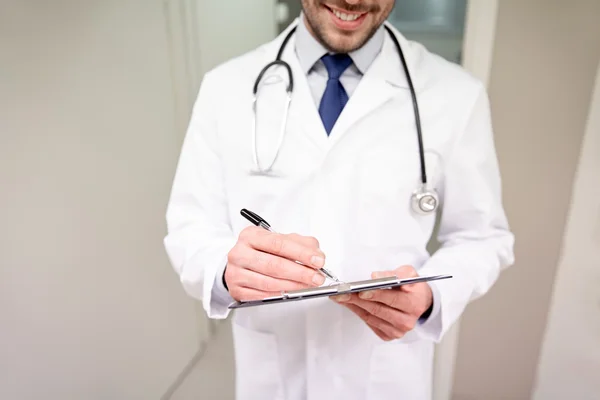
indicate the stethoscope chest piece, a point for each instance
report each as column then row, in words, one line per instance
column 424, row 201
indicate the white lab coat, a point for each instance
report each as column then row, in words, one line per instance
column 351, row 191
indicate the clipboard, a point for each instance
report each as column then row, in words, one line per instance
column 336, row 289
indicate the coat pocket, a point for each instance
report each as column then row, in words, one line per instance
column 258, row 373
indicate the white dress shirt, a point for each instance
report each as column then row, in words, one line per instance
column 309, row 51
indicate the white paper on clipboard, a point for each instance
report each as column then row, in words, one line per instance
column 337, row 289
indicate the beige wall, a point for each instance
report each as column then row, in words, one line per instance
column 94, row 100
column 89, row 305
column 545, row 60
column 572, row 336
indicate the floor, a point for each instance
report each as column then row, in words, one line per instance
column 213, row 377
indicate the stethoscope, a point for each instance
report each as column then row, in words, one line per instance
column 424, row 201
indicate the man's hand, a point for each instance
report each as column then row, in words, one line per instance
column 391, row 313
column 263, row 263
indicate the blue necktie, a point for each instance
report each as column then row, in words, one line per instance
column 335, row 97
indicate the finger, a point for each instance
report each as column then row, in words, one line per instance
column 381, row 334
column 285, row 246
column 377, row 309
column 375, row 322
column 406, row 271
column 400, row 320
column 281, row 268
column 383, row 274
column 307, row 241
column 413, row 287
column 390, row 297
column 254, row 280
column 403, row 272
column 247, row 294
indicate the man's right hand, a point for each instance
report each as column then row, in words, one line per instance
column 263, row 264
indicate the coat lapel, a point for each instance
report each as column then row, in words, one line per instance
column 384, row 80
column 304, row 112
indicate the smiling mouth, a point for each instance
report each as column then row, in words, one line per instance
column 345, row 15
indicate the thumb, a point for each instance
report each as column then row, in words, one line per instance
column 383, row 274
column 404, row 272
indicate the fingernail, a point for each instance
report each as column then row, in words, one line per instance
column 377, row 275
column 365, row 295
column 318, row 279
column 342, row 297
column 317, row 261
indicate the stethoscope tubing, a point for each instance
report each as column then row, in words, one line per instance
column 421, row 193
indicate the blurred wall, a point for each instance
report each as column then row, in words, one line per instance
column 89, row 305
column 544, row 64
column 230, row 28
column 570, row 359
column 94, row 101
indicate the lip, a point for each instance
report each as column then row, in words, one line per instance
column 346, row 25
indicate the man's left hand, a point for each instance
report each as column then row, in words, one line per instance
column 390, row 313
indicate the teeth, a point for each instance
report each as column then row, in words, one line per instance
column 346, row 17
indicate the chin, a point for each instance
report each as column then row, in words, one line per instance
column 343, row 43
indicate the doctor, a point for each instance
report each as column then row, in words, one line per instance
column 342, row 176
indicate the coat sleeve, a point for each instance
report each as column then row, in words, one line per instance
column 199, row 235
column 475, row 241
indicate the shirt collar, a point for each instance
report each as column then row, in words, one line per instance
column 309, row 50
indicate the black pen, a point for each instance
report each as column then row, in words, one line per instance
column 259, row 221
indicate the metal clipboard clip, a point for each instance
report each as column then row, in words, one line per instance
column 338, row 289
